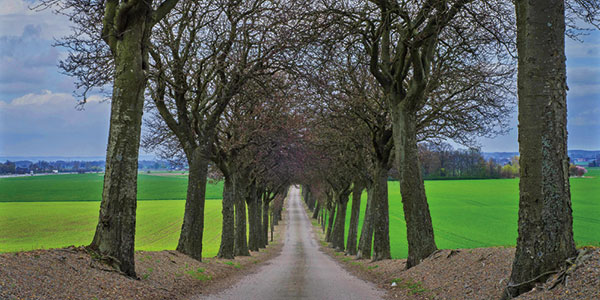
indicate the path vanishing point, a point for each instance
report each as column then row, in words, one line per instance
column 301, row 271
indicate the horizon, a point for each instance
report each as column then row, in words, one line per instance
column 38, row 115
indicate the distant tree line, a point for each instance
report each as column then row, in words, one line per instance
column 442, row 161
column 75, row 166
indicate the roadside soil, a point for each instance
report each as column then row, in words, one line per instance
column 70, row 273
column 480, row 273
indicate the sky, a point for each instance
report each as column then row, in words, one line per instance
column 38, row 114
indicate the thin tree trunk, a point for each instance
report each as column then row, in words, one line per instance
column 545, row 238
column 339, row 226
column 252, row 211
column 115, row 233
column 240, row 246
column 265, row 219
column 330, row 218
column 323, row 213
column 354, row 215
column 419, row 229
column 259, row 224
column 381, row 218
column 366, row 235
column 190, row 239
column 227, row 232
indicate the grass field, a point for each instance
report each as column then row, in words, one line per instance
column 88, row 187
column 47, row 212
column 60, row 210
column 484, row 213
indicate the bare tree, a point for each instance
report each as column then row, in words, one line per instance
column 125, row 27
column 202, row 58
column 416, row 50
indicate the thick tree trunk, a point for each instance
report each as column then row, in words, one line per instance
column 354, row 215
column 366, row 235
column 381, row 216
column 115, row 233
column 190, row 239
column 419, row 229
column 227, row 232
column 545, row 238
column 315, row 214
column 240, row 246
column 339, row 228
column 330, row 218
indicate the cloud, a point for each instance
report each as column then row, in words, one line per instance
column 16, row 15
column 49, row 123
column 28, row 63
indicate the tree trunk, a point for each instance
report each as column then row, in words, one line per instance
column 253, row 230
column 315, row 214
column 354, row 214
column 258, row 220
column 115, row 233
column 366, row 235
column 339, row 227
column 381, row 216
column 265, row 219
column 190, row 239
column 330, row 218
column 240, row 245
column 419, row 229
column 545, row 238
column 227, row 232
column 323, row 213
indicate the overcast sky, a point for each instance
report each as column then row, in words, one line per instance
column 38, row 115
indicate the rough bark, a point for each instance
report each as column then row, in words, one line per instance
column 330, row 219
column 545, row 238
column 419, row 228
column 381, row 219
column 366, row 235
column 240, row 246
column 190, row 239
column 115, row 233
column 354, row 215
column 227, row 232
column 339, row 227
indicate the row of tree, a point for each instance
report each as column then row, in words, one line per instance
column 441, row 161
column 329, row 94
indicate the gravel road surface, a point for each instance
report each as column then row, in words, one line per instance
column 301, row 271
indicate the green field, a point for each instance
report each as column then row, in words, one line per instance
column 88, row 187
column 484, row 213
column 44, row 212
column 60, row 210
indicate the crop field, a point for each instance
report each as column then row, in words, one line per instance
column 61, row 210
column 484, row 213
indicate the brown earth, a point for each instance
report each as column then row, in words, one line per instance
column 480, row 273
column 70, row 273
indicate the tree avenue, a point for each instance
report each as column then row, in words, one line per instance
column 330, row 96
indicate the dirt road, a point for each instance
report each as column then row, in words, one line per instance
column 301, row 271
